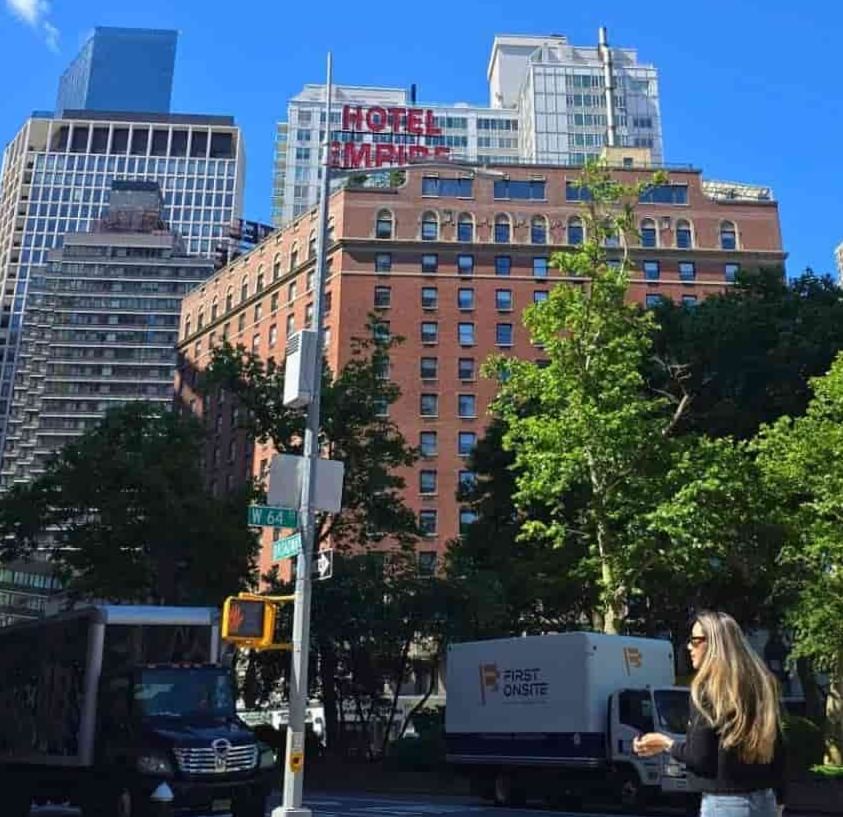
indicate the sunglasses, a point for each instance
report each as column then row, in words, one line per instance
column 696, row 640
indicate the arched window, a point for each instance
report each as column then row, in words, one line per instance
column 259, row 281
column 576, row 232
column 294, row 257
column 200, row 322
column 430, row 226
column 187, row 326
column 311, row 246
column 684, row 235
column 503, row 229
column 649, row 237
column 728, row 236
column 244, row 289
column 214, row 308
column 384, row 224
column 465, row 227
column 330, row 238
column 276, row 267
column 229, row 299
column 538, row 230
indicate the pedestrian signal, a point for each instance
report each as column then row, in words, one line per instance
column 249, row 621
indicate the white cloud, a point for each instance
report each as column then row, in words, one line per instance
column 35, row 14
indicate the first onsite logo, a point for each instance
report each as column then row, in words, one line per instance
column 632, row 658
column 518, row 685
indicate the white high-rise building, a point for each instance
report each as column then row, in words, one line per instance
column 56, row 179
column 549, row 103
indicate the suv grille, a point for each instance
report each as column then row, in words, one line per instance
column 221, row 759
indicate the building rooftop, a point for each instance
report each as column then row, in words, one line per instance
column 139, row 116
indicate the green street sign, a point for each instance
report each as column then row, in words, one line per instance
column 265, row 516
column 286, row 547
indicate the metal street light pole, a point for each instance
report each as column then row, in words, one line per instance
column 291, row 805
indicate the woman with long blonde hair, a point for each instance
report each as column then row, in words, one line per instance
column 733, row 742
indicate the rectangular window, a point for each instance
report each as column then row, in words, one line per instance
column 465, row 264
column 467, row 519
column 380, row 330
column 687, row 271
column 383, row 262
column 466, row 368
column 308, row 319
column 428, row 368
column 503, row 264
column 466, row 481
column 429, row 262
column 648, row 237
column 381, row 407
column 466, row 440
column 428, row 443
column 540, row 296
column 429, row 229
column 665, row 194
column 730, row 272
column 540, row 267
column 465, row 299
column 503, row 334
column 273, row 302
column 651, row 270
column 465, row 334
column 465, row 231
column 503, row 300
column 467, row 405
column 429, row 297
column 427, row 481
column 429, row 332
column 576, row 192
column 531, row 190
column 427, row 563
column 383, row 297
column 652, row 299
column 429, row 405
column 454, row 188
column 502, row 231
column 689, row 300
column 427, row 523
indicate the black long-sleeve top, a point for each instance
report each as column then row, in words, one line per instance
column 721, row 771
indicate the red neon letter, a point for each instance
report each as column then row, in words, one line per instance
column 414, row 121
column 430, row 124
column 441, row 150
column 376, row 119
column 352, row 118
column 417, row 153
column 354, row 156
column 402, row 155
column 395, row 118
column 336, row 154
column 384, row 154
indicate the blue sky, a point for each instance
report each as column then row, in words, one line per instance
column 750, row 90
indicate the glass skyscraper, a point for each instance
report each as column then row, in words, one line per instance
column 121, row 69
column 57, row 177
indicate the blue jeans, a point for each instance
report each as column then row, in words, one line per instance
column 752, row 804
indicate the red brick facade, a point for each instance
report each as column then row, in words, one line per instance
column 251, row 300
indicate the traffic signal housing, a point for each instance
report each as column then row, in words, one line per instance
column 249, row 621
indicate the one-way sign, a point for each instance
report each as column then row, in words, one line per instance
column 325, row 564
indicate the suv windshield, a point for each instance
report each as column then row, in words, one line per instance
column 184, row 692
column 673, row 706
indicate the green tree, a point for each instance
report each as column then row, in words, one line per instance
column 585, row 422
column 509, row 584
column 746, row 356
column 124, row 514
column 356, row 429
column 802, row 460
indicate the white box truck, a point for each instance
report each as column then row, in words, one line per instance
column 555, row 715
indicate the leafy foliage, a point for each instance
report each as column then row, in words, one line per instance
column 124, row 514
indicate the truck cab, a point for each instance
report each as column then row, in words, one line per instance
column 176, row 725
column 633, row 712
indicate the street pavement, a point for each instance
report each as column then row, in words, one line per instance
column 373, row 805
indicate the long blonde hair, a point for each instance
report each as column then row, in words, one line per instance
column 735, row 692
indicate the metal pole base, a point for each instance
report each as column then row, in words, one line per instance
column 281, row 811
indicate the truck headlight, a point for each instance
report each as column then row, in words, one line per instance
column 267, row 758
column 153, row 764
column 674, row 769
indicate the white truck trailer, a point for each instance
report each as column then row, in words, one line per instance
column 555, row 715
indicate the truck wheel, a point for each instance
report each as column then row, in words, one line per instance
column 507, row 791
column 631, row 793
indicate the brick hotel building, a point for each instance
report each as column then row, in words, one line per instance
column 450, row 260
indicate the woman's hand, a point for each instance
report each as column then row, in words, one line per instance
column 653, row 743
